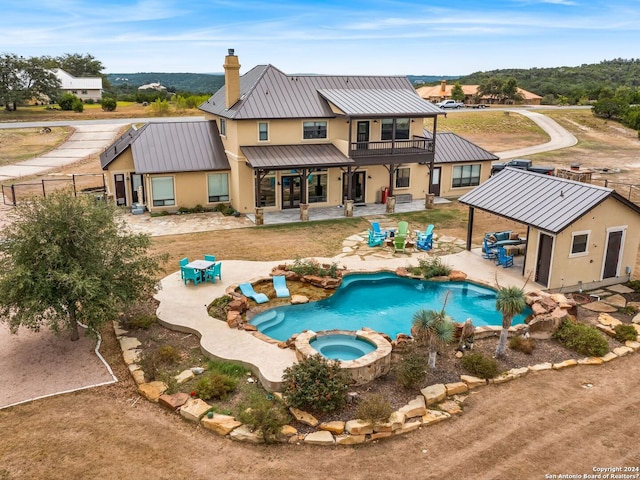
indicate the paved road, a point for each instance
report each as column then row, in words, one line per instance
column 90, row 137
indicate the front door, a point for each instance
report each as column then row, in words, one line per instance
column 137, row 189
column 357, row 187
column 121, row 190
column 543, row 266
column 435, row 183
column 612, row 255
column 290, row 191
column 363, row 135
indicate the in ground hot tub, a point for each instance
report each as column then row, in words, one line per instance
column 364, row 355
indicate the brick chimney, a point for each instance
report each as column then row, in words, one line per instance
column 231, row 79
column 443, row 87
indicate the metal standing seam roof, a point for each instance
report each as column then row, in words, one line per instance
column 120, row 145
column 266, row 92
column 273, row 157
column 367, row 102
column 452, row 148
column 179, row 147
column 542, row 201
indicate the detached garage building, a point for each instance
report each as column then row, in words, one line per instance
column 578, row 235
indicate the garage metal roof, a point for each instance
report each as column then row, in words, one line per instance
column 275, row 157
column 452, row 148
column 542, row 201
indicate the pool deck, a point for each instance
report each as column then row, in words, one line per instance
column 184, row 307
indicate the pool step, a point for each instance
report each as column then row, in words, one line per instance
column 268, row 320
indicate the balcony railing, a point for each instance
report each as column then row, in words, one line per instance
column 415, row 146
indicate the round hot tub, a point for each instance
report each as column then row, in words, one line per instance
column 363, row 354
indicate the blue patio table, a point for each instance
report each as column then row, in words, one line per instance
column 200, row 266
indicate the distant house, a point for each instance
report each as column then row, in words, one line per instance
column 153, row 86
column 85, row 88
column 443, row 92
column 579, row 236
column 277, row 141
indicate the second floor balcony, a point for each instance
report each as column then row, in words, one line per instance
column 416, row 147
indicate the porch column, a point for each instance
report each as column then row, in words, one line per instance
column 304, row 212
column 391, row 204
column 348, row 208
column 470, row 227
column 259, row 216
column 428, row 201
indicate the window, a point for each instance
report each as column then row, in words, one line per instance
column 312, row 130
column 218, row 187
column 318, row 186
column 84, row 92
column 162, row 188
column 263, row 131
column 401, row 129
column 223, row 127
column 579, row 243
column 466, row 176
column 402, row 177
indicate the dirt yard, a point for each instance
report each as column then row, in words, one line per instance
column 568, row 422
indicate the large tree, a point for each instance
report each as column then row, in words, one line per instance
column 66, row 259
column 25, row 79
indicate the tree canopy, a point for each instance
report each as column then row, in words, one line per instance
column 66, row 259
column 23, row 79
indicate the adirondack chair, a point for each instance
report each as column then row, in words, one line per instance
column 503, row 259
column 403, row 229
column 399, row 244
column 424, row 240
column 378, row 232
column 280, row 286
column 490, row 252
column 375, row 240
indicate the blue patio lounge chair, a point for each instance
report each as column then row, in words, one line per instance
column 280, row 286
column 248, row 291
column 504, row 259
column 212, row 272
column 191, row 274
column 424, row 240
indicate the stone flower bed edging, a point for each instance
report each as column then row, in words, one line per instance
column 435, row 403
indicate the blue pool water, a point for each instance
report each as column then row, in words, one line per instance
column 385, row 303
column 341, row 347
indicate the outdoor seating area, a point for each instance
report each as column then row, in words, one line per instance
column 502, row 239
column 399, row 239
column 199, row 271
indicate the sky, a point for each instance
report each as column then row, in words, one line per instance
column 375, row 37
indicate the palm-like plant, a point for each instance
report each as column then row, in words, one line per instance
column 433, row 329
column 509, row 302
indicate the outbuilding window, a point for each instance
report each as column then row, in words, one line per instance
column 163, row 192
column 579, row 243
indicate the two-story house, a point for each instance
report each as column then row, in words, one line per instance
column 276, row 141
column 85, row 88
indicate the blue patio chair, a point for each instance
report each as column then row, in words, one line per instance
column 375, row 240
column 192, row 274
column 248, row 291
column 210, row 258
column 424, row 240
column 503, row 259
column 377, row 231
column 280, row 286
column 490, row 252
column 211, row 273
column 183, row 262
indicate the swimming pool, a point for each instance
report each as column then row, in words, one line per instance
column 385, row 303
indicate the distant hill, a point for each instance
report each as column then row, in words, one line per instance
column 421, row 79
column 200, row 83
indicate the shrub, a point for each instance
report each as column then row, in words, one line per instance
column 264, row 413
column 433, row 267
column 67, row 101
column 158, row 360
column 521, row 344
column 316, row 384
column 582, row 338
column 78, row 106
column 310, row 266
column 410, row 369
column 374, row 408
column 167, row 354
column 230, row 369
column 218, row 308
column 109, row 104
column 215, row 385
column 628, row 310
column 625, row 332
column 480, row 366
column 139, row 322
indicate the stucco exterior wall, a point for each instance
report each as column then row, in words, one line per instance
column 567, row 270
column 446, row 178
